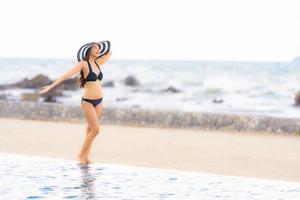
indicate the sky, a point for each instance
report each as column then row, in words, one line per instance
column 231, row 30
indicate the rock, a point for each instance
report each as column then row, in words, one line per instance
column 36, row 82
column 5, row 86
column 297, row 98
column 131, row 81
column 108, row 84
column 121, row 99
column 142, row 90
column 50, row 99
column 51, row 95
column 40, row 80
column 3, row 97
column 135, row 106
column 171, row 89
column 30, row 96
column 69, row 84
column 217, row 100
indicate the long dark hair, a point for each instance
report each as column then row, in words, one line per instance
column 80, row 79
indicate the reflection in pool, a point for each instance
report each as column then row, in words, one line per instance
column 33, row 177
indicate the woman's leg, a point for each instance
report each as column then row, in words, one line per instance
column 98, row 109
column 86, row 133
column 92, row 120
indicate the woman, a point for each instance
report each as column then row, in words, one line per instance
column 90, row 79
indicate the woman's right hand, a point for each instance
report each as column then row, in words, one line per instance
column 45, row 89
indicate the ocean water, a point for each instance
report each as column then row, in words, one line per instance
column 242, row 87
column 33, row 177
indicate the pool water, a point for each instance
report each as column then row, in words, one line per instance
column 33, row 177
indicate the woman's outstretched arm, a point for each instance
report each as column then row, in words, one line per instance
column 103, row 59
column 75, row 69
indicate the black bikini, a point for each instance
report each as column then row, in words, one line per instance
column 93, row 77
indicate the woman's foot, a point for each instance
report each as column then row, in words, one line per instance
column 82, row 160
column 88, row 161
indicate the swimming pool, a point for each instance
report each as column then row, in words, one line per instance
column 33, row 177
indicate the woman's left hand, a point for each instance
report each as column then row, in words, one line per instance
column 45, row 89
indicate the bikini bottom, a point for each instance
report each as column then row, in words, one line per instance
column 94, row 102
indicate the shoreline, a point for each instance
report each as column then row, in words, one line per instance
column 248, row 154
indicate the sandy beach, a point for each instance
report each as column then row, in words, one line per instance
column 262, row 155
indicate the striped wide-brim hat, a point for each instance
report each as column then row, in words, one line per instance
column 104, row 47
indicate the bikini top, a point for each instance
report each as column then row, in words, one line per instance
column 93, row 76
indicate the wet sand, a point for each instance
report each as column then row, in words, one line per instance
column 262, row 155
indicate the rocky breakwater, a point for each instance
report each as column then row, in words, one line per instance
column 152, row 118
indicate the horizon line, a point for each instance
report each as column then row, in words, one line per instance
column 153, row 59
